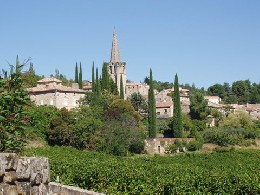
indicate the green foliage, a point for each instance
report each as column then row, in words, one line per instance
column 93, row 78
column 30, row 78
column 151, row 109
column 13, row 119
column 194, row 145
column 177, row 120
column 105, row 84
column 122, row 96
column 177, row 146
column 234, row 172
column 228, row 136
column 97, row 85
column 75, row 128
column 40, row 118
column 198, row 106
column 80, row 77
column 217, row 90
column 238, row 120
column 139, row 103
column 76, row 74
column 240, row 92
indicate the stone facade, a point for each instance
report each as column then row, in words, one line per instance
column 158, row 145
column 31, row 176
column 141, row 88
column 164, row 109
column 49, row 91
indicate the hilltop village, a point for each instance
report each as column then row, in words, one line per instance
column 82, row 126
column 50, row 91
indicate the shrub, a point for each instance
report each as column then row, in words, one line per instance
column 194, row 145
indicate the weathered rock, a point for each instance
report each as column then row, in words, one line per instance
column 23, row 169
column 6, row 189
column 10, row 177
column 8, row 161
column 23, row 188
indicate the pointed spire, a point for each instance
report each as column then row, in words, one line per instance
column 115, row 54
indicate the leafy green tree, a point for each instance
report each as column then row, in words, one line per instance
column 121, row 88
column 151, row 109
column 241, row 89
column 139, row 103
column 80, row 77
column 238, row 120
column 40, row 118
column 198, row 106
column 13, row 119
column 177, row 119
column 76, row 73
column 217, row 90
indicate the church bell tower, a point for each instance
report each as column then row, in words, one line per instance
column 116, row 68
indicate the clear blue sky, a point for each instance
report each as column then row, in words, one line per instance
column 205, row 42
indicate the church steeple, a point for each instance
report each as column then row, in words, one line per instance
column 115, row 54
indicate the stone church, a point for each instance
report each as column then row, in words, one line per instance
column 117, row 69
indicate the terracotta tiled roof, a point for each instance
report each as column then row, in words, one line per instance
column 132, row 83
column 49, row 80
column 87, row 87
column 163, row 104
column 45, row 88
column 211, row 97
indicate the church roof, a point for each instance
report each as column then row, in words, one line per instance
column 115, row 54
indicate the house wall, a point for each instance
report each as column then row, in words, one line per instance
column 60, row 100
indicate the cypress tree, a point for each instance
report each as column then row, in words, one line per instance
column 105, row 78
column 76, row 74
column 121, row 88
column 93, row 78
column 80, row 77
column 97, row 85
column 177, row 119
column 151, row 109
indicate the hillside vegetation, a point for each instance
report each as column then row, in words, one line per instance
column 233, row 172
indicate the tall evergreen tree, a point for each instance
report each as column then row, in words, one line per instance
column 97, row 85
column 76, row 73
column 93, row 78
column 105, row 78
column 177, row 120
column 121, row 88
column 151, row 109
column 80, row 77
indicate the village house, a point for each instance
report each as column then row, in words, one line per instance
column 213, row 99
column 50, row 91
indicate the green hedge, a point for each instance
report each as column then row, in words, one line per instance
column 234, row 172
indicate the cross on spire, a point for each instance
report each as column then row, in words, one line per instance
column 115, row 54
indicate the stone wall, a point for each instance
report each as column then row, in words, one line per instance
column 31, row 176
column 158, row 145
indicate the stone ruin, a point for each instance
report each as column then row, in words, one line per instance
column 31, row 176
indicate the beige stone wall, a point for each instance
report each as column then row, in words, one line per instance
column 68, row 100
column 164, row 112
column 158, row 145
column 131, row 88
column 31, row 176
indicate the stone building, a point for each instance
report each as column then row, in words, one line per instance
column 116, row 68
column 132, row 87
column 50, row 91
